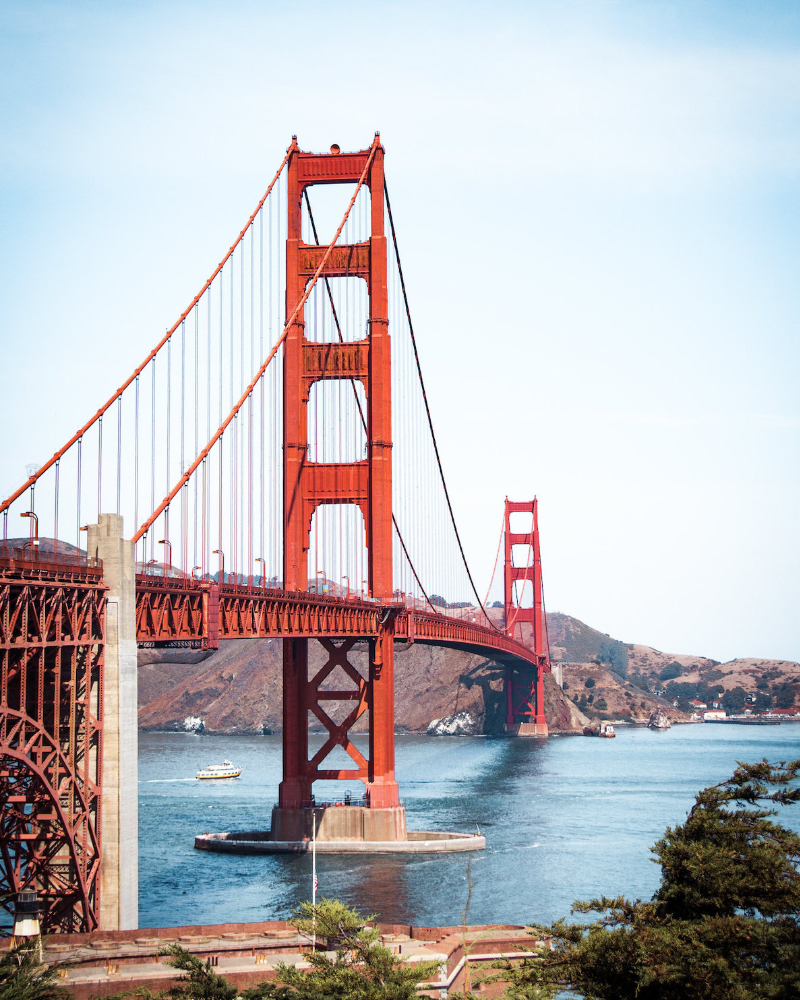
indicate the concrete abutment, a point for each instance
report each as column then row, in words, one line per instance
column 119, row 867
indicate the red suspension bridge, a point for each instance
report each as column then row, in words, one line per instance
column 277, row 461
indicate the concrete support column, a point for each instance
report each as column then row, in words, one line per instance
column 119, row 869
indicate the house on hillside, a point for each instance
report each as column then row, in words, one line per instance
column 698, row 706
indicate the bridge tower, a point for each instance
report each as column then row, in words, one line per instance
column 525, row 684
column 366, row 483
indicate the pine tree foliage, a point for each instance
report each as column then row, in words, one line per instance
column 723, row 925
column 330, row 920
column 361, row 969
column 200, row 981
column 24, row 977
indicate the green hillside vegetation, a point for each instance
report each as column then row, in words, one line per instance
column 584, row 644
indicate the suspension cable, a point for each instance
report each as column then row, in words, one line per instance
column 358, row 401
column 165, row 339
column 278, row 343
column 496, row 559
column 428, row 412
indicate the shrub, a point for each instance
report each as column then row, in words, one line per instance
column 615, row 654
column 670, row 672
column 330, row 920
column 601, row 705
column 763, row 701
column 23, row 977
column 589, row 682
column 733, row 701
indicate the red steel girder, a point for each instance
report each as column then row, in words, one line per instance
column 51, row 676
column 525, row 686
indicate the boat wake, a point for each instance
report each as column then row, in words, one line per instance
column 163, row 781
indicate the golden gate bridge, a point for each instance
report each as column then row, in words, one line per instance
column 276, row 458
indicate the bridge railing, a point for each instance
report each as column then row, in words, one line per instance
column 30, row 559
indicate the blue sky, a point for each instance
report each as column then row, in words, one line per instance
column 598, row 212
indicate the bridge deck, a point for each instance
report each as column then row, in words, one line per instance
column 177, row 612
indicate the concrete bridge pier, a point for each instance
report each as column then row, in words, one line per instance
column 119, row 868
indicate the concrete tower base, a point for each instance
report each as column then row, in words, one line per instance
column 528, row 729
column 341, row 829
column 339, row 823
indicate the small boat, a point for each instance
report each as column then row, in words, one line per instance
column 605, row 729
column 659, row 720
column 224, row 770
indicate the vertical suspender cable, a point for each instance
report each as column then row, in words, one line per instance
column 78, row 494
column 55, row 510
column 119, row 455
column 427, row 408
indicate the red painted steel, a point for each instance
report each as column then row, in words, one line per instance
column 296, row 311
column 52, row 612
column 525, row 686
column 52, row 608
column 368, row 484
column 172, row 612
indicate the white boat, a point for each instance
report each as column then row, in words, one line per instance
column 224, row 770
column 605, row 729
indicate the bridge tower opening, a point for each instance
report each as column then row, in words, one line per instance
column 366, row 483
column 525, row 620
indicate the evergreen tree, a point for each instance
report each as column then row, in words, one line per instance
column 330, row 920
column 24, row 977
column 723, row 924
column 360, row 969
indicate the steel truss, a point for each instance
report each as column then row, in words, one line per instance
column 51, row 641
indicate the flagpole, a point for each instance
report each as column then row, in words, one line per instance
column 314, row 876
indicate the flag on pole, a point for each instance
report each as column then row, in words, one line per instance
column 314, row 883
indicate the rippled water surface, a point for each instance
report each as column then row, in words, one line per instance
column 567, row 818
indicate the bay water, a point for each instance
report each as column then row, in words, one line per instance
column 564, row 819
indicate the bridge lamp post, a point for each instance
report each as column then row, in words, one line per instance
column 152, row 562
column 263, row 562
column 348, row 584
column 35, row 540
column 320, row 573
column 168, row 543
column 221, row 554
column 193, row 569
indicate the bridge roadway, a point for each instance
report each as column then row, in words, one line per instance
column 172, row 611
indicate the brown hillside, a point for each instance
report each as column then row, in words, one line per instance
column 238, row 688
column 625, row 701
